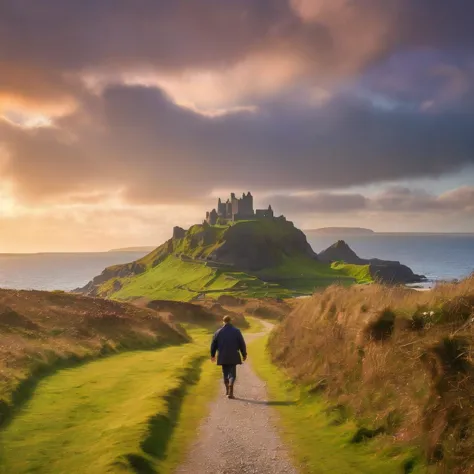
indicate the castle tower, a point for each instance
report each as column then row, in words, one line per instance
column 212, row 219
column 235, row 204
column 221, row 208
column 246, row 208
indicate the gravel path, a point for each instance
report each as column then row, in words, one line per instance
column 239, row 435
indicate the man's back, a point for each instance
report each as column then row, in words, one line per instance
column 229, row 343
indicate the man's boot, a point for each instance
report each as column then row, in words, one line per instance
column 227, row 388
column 231, row 389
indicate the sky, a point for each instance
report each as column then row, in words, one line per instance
column 120, row 119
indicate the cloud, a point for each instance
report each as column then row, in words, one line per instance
column 245, row 49
column 395, row 199
column 164, row 102
column 413, row 200
column 317, row 203
column 136, row 141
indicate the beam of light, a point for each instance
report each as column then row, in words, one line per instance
column 25, row 119
column 7, row 204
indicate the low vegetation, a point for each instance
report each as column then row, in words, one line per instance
column 398, row 361
column 41, row 332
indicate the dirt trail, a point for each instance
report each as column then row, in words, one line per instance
column 239, row 435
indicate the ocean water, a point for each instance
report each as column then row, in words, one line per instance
column 437, row 256
column 57, row 271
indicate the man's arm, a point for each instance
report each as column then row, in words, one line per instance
column 242, row 346
column 214, row 346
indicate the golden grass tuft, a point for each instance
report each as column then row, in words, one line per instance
column 398, row 360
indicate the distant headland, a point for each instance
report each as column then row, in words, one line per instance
column 340, row 231
column 134, row 249
column 242, row 252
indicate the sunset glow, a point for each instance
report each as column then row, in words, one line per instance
column 117, row 125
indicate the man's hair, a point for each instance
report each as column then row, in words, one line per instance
column 227, row 319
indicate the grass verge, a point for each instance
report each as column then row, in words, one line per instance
column 194, row 409
column 319, row 441
column 42, row 332
column 112, row 415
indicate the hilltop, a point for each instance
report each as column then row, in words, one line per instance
column 251, row 258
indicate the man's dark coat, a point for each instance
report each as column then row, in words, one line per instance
column 228, row 341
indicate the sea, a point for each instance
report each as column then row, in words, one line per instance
column 439, row 257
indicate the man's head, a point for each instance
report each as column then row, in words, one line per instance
column 227, row 319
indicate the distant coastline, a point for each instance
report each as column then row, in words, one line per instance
column 134, row 249
column 340, row 231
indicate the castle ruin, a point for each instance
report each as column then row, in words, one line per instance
column 235, row 209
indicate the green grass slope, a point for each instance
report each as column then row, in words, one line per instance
column 115, row 415
column 44, row 331
column 261, row 258
column 136, row 412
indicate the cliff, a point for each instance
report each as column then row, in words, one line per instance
column 255, row 258
column 266, row 257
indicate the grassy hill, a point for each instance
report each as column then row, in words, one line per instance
column 259, row 258
column 43, row 331
column 398, row 361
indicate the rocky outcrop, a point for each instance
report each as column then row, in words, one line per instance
column 254, row 245
column 340, row 252
column 112, row 273
column 394, row 273
column 385, row 271
column 178, row 232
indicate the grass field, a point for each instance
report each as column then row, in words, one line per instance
column 41, row 332
column 178, row 280
column 136, row 412
column 112, row 415
column 319, row 442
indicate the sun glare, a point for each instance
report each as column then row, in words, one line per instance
column 7, row 205
column 25, row 119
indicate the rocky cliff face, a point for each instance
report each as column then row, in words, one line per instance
column 254, row 246
column 385, row 271
column 111, row 273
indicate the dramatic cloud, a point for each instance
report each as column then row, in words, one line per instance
column 394, row 199
column 137, row 141
column 264, row 44
column 161, row 103
column 318, row 203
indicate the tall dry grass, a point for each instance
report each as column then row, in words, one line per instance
column 398, row 360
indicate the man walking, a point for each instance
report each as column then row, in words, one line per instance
column 229, row 343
